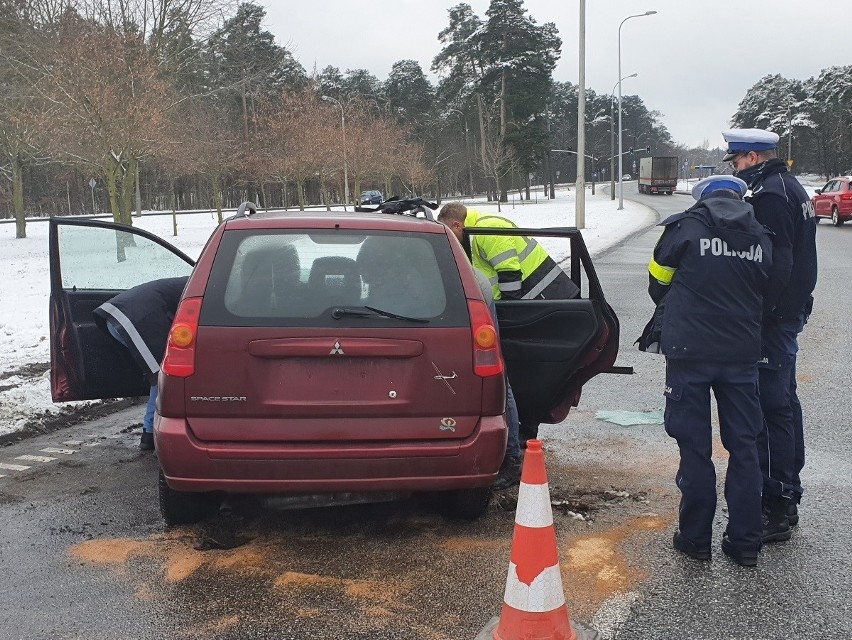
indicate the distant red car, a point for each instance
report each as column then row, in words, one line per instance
column 834, row 200
column 325, row 353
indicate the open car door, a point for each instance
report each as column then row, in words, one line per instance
column 90, row 262
column 553, row 347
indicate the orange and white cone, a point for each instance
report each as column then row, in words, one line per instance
column 534, row 601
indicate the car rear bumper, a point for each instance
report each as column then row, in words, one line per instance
column 190, row 464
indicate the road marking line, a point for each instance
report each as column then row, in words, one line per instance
column 13, row 467
column 73, row 443
column 35, row 458
column 66, row 452
column 2, row 475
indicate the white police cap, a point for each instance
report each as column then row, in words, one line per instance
column 742, row 140
column 712, row 183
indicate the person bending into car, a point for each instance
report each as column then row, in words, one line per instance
column 517, row 268
column 140, row 319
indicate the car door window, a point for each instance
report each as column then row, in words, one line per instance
column 107, row 258
column 90, row 262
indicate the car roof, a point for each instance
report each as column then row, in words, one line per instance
column 335, row 219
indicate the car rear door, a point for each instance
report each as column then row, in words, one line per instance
column 90, row 262
column 553, row 347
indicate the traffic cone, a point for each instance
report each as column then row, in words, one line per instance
column 534, row 602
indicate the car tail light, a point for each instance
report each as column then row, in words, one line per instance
column 846, row 196
column 487, row 360
column 179, row 360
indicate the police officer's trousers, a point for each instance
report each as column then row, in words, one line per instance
column 781, row 444
column 688, row 420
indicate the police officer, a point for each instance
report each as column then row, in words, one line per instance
column 519, row 268
column 782, row 205
column 140, row 319
column 707, row 276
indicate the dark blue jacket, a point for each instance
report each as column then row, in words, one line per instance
column 143, row 316
column 782, row 205
column 716, row 258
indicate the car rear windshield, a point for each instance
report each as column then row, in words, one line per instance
column 333, row 278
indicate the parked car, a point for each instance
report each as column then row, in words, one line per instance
column 626, row 176
column 325, row 354
column 834, row 200
column 371, row 197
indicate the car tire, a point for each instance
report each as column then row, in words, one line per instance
column 835, row 217
column 465, row 504
column 185, row 507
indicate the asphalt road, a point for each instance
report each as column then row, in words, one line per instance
column 85, row 554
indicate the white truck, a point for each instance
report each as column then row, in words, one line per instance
column 658, row 174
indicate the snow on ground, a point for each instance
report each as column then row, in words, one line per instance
column 25, row 287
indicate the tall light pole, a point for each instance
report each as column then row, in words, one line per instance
column 612, row 137
column 620, row 170
column 789, row 134
column 345, row 163
column 580, row 183
column 466, row 152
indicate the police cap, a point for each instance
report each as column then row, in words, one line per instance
column 742, row 140
column 712, row 183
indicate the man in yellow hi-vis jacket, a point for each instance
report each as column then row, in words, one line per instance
column 518, row 267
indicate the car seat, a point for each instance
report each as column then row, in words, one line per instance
column 270, row 278
column 334, row 280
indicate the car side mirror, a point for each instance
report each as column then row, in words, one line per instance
column 817, row 191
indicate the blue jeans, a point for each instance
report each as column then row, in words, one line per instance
column 148, row 420
column 781, row 442
column 513, row 445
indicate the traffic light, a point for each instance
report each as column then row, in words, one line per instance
column 647, row 149
column 630, row 151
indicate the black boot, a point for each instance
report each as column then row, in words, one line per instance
column 510, row 474
column 146, row 443
column 793, row 513
column 776, row 526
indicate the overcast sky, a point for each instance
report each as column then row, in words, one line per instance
column 695, row 58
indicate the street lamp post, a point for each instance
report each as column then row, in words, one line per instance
column 466, row 149
column 345, row 163
column 612, row 137
column 789, row 133
column 620, row 170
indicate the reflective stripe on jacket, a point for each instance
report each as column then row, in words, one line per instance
column 518, row 267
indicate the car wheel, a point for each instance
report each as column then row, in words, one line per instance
column 185, row 507
column 465, row 504
column 835, row 217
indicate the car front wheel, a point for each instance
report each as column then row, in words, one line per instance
column 465, row 504
column 185, row 507
column 835, row 217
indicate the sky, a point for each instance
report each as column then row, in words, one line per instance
column 25, row 286
column 695, row 60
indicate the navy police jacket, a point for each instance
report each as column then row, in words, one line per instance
column 708, row 277
column 783, row 206
column 143, row 316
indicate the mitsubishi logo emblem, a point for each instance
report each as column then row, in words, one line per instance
column 336, row 350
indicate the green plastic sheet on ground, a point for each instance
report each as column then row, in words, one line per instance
column 631, row 418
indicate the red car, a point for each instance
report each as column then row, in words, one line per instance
column 325, row 354
column 834, row 201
